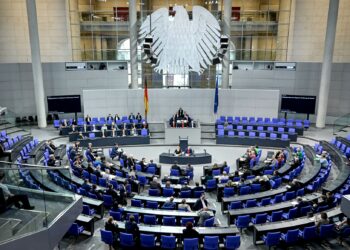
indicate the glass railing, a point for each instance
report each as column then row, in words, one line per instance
column 32, row 204
column 340, row 123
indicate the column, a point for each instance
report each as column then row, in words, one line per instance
column 226, row 30
column 323, row 94
column 39, row 93
column 133, row 42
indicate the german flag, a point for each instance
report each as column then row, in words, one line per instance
column 145, row 98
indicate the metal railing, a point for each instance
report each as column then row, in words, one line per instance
column 340, row 123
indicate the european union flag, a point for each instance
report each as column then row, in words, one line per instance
column 216, row 98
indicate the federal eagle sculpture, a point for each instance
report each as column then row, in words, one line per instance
column 179, row 45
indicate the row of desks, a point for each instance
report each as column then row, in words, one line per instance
column 111, row 141
column 162, row 200
column 292, row 136
column 263, row 142
column 252, row 211
column 311, row 175
column 284, row 226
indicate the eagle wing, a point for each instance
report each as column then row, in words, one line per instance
column 206, row 34
column 158, row 29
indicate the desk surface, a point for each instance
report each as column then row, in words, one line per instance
column 162, row 212
column 92, row 202
column 85, row 218
column 163, row 199
column 278, row 225
column 196, row 158
column 269, row 208
column 177, row 230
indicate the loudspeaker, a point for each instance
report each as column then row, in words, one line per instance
column 216, row 60
column 147, row 51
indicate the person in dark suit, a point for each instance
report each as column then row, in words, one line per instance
column 89, row 154
column 301, row 204
column 97, row 172
column 51, row 144
column 112, row 192
column 64, row 123
column 86, row 185
column 52, row 161
column 185, row 187
column 154, row 184
column 176, row 167
column 96, row 192
column 139, row 117
column 131, row 227
column 111, row 225
column 114, row 152
column 48, row 147
column 180, row 113
column 329, row 199
column 189, row 232
column 116, row 117
column 110, row 118
column 198, row 187
column 143, row 164
column 87, row 119
column 200, row 203
column 131, row 116
column 294, row 186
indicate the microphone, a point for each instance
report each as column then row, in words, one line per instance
column 169, row 151
column 205, row 151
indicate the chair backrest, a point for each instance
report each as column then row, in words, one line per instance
column 244, row 190
column 309, row 233
column 229, row 191
column 233, row 242
column 149, row 219
column 216, row 172
column 265, row 201
column 126, row 240
column 152, row 204
column 169, row 221
column 272, row 239
column 116, row 215
column 190, row 244
column 184, row 220
column 262, row 135
column 107, row 237
column 209, row 222
column 186, row 194
column 153, row 192
column 243, row 221
column 326, row 230
column 305, row 210
column 174, row 172
column 167, row 192
column 260, row 218
column 292, row 213
column 136, row 203
column 168, row 242
column 292, row 236
column 289, row 195
column 255, row 188
column 251, row 203
column 276, row 216
column 211, row 242
column 235, row 205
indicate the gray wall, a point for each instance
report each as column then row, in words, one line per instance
column 304, row 81
column 17, row 87
column 198, row 103
column 16, row 84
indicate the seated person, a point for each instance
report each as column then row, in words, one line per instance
column 198, row 187
column 116, row 117
column 80, row 136
column 51, row 144
column 178, row 151
column 189, row 151
column 330, row 199
column 176, row 167
column 294, row 186
column 203, row 215
column 201, row 203
column 86, row 185
column 300, row 204
column 185, row 187
column 20, row 200
column 48, row 147
column 52, row 161
column 110, row 118
column 112, row 192
column 189, row 232
column 143, row 164
column 132, row 116
column 223, row 177
column 114, row 151
column 180, row 113
column 322, row 220
column 96, row 192
column 170, row 204
column 340, row 229
column 154, row 184
column 184, row 206
column 64, row 123
column 323, row 160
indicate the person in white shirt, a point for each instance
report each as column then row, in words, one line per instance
column 20, row 200
column 223, row 177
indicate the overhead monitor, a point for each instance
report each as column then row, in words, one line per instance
column 298, row 103
column 64, row 104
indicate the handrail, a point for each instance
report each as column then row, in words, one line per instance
column 340, row 123
column 30, row 166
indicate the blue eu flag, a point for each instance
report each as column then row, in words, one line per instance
column 216, row 98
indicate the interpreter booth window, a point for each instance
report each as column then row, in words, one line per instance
column 173, row 81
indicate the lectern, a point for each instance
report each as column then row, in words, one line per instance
column 183, row 143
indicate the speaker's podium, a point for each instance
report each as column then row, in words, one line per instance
column 172, row 134
column 183, row 159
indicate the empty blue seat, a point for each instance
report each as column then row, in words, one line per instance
column 275, row 216
column 305, row 210
column 169, row 221
column 221, row 132
column 107, row 237
column 126, row 240
column 211, row 185
column 190, row 244
column 186, row 194
column 216, row 172
column 255, row 188
column 308, row 233
column 260, row 128
column 136, row 203
column 264, row 202
column 260, row 218
column 250, row 203
column 262, row 135
column 273, row 136
column 242, row 221
column 107, row 200
column 252, row 134
column 290, row 237
column 234, row 205
column 292, row 213
column 211, row 242
column 91, row 135
column 249, row 128
column 149, row 219
column 184, row 220
column 152, row 204
column 229, row 191
column 272, row 239
column 244, row 190
column 241, row 134
column 153, row 192
column 174, row 172
column 116, row 215
column 284, row 136
column 88, row 211
column 168, row 242
column 75, row 230
column 232, row 242
column 231, row 133
column 289, row 196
